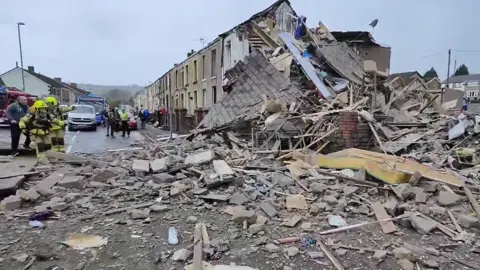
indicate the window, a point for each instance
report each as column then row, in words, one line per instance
column 189, row 101
column 195, row 99
column 182, row 101
column 183, row 77
column 195, row 71
column 471, row 94
column 228, row 55
column 176, row 79
column 167, row 103
column 204, row 66
column 204, row 98
column 213, row 63
column 186, row 75
column 214, row 94
column 169, row 82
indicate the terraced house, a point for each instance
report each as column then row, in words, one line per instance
column 196, row 84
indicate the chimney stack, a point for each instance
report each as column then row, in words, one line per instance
column 31, row 69
column 58, row 79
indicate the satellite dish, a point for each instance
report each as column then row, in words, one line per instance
column 374, row 23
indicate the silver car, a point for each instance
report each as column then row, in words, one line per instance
column 83, row 117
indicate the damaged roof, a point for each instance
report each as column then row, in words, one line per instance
column 343, row 60
column 253, row 77
column 262, row 13
column 407, row 77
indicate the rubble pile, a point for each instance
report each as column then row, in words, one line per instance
column 303, row 163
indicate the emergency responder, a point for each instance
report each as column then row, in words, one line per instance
column 57, row 131
column 124, row 118
column 112, row 117
column 38, row 125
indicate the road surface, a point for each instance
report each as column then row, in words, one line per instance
column 84, row 141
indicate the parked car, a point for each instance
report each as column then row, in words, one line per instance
column 83, row 117
column 132, row 122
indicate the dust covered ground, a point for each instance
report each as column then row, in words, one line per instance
column 245, row 215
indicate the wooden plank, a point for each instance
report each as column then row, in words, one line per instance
column 197, row 248
column 472, row 200
column 380, row 213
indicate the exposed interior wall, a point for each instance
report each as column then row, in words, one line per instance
column 378, row 54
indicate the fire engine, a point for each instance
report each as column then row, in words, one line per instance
column 9, row 95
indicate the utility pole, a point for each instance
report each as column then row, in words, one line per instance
column 455, row 66
column 448, row 75
column 21, row 54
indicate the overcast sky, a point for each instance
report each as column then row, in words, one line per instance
column 135, row 42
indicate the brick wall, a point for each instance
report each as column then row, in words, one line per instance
column 352, row 133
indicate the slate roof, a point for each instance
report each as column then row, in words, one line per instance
column 47, row 80
column 344, row 60
column 252, row 78
column 405, row 76
column 464, row 78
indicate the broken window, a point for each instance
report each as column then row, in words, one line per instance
column 195, row 71
column 204, row 98
column 213, row 63
column 214, row 94
column 186, row 75
column 228, row 55
column 204, row 66
column 189, row 102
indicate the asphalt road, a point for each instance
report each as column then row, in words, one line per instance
column 84, row 141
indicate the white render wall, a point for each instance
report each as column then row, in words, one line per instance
column 237, row 52
column 33, row 85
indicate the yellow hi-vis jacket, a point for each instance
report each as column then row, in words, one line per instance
column 124, row 116
column 58, row 113
column 37, row 123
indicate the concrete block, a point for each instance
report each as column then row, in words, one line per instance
column 11, row 203
column 44, row 187
column 72, row 182
column 141, row 165
column 159, row 165
column 200, row 158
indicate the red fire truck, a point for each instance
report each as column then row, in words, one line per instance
column 8, row 95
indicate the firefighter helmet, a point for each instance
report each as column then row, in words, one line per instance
column 39, row 105
column 51, row 101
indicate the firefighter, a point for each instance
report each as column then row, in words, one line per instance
column 58, row 127
column 38, row 125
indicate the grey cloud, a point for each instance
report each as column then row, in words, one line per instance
column 122, row 42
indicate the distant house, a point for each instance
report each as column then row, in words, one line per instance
column 433, row 83
column 367, row 48
column 42, row 85
column 407, row 80
column 469, row 84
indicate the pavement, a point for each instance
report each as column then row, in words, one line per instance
column 83, row 141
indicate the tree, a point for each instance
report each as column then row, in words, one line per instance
column 114, row 103
column 461, row 70
column 430, row 74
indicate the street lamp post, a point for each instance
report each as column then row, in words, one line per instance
column 21, row 54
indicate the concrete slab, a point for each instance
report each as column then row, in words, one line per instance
column 44, row 187
column 19, row 165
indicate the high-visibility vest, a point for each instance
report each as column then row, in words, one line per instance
column 124, row 116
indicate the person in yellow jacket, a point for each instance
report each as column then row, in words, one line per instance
column 38, row 124
column 58, row 127
column 124, row 118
